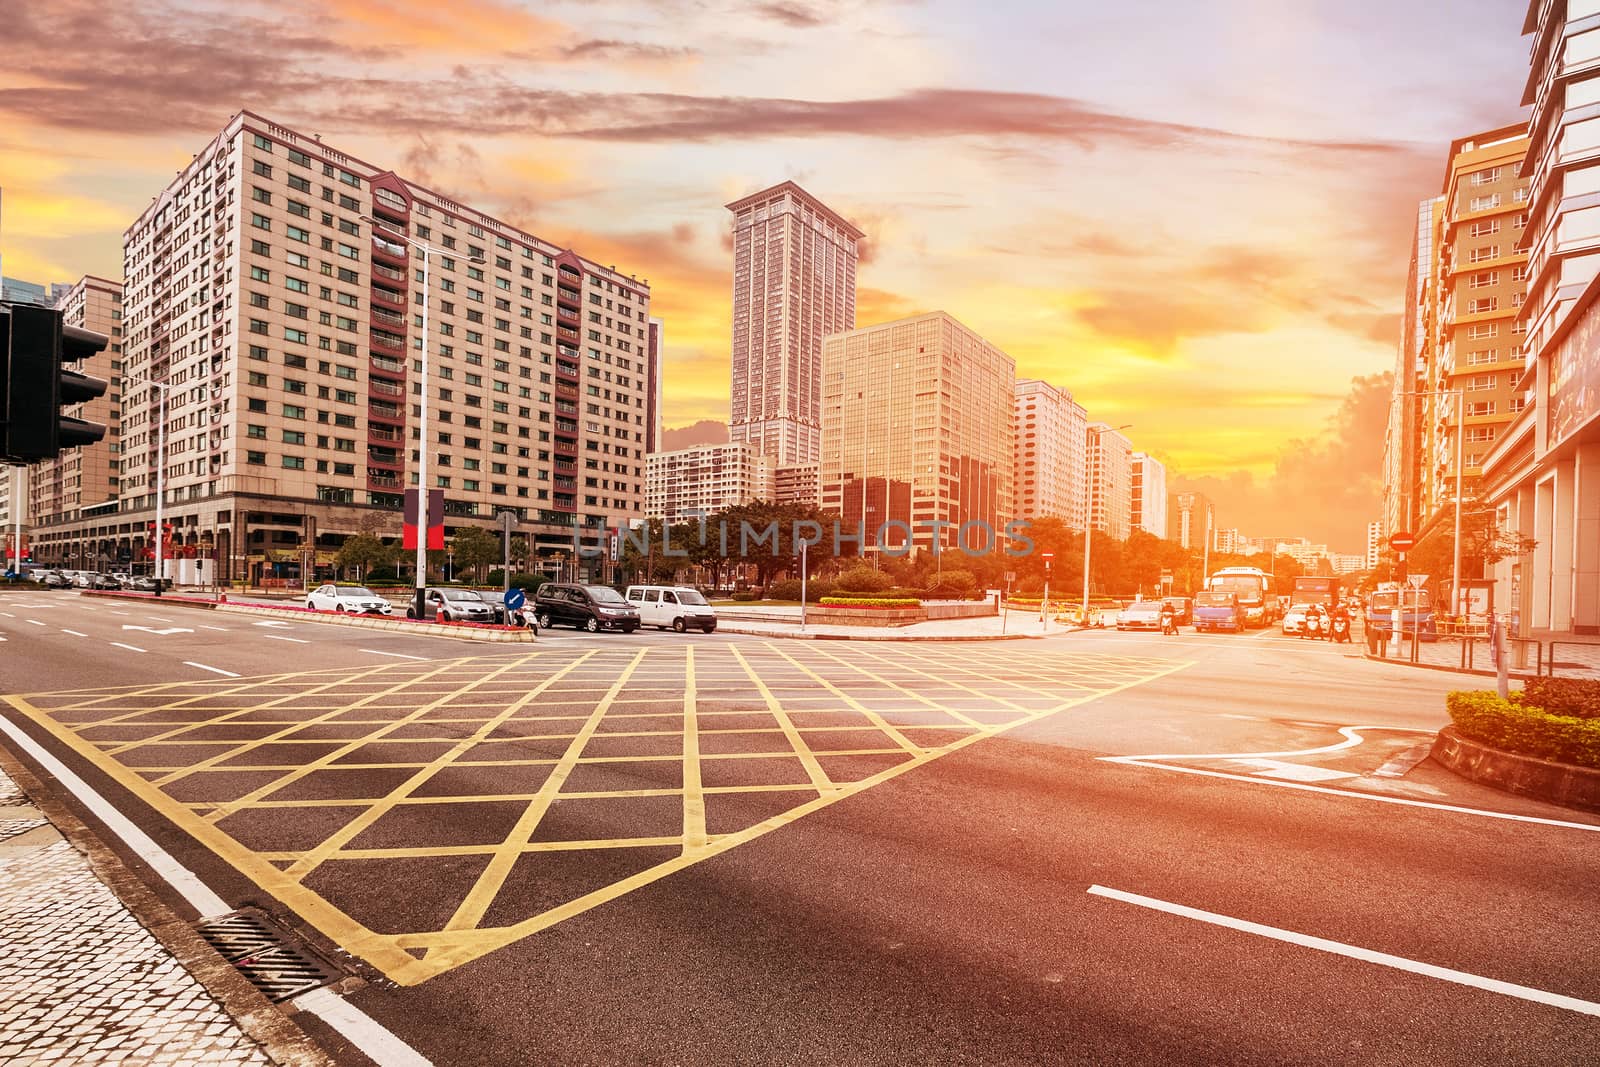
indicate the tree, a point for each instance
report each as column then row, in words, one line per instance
column 475, row 548
column 364, row 550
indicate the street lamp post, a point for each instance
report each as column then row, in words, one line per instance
column 161, row 465
column 428, row 251
column 1461, row 438
column 1088, row 515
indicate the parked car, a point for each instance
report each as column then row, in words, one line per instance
column 677, row 606
column 1140, row 615
column 1217, row 610
column 91, row 580
column 586, row 607
column 145, row 583
column 455, row 605
column 352, row 599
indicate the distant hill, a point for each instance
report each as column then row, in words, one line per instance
column 704, row 432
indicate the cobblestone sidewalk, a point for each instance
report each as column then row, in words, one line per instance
column 81, row 981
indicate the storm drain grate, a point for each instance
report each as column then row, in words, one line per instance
column 275, row 961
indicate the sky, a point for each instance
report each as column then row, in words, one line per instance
column 1195, row 216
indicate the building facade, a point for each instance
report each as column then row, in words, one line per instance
column 288, row 328
column 1542, row 474
column 1109, row 458
column 1050, row 476
column 652, row 404
column 1192, row 520
column 84, row 481
column 689, row 482
column 1149, row 506
column 794, row 283
column 918, row 422
column 1402, row 443
column 1375, row 543
column 797, row 485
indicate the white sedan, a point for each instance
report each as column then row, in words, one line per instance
column 352, row 599
column 1294, row 620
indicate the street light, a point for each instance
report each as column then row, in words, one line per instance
column 1088, row 516
column 428, row 252
column 161, row 462
column 1461, row 438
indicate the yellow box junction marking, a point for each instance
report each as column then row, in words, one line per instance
column 737, row 722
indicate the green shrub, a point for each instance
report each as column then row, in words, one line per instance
column 952, row 585
column 787, row 589
column 1578, row 698
column 528, row 583
column 863, row 580
column 381, row 574
column 746, row 597
column 869, row 602
column 1516, row 726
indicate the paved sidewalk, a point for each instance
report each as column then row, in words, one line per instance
column 81, row 981
column 785, row 622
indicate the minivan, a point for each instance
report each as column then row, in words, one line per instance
column 586, row 607
column 677, row 606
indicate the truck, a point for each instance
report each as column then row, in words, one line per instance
column 1416, row 612
column 1217, row 610
column 1316, row 590
column 1258, row 598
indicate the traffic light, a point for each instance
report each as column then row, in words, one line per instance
column 34, row 386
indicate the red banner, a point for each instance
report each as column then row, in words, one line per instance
column 435, row 520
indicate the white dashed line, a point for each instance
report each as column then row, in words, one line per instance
column 74, row 633
column 213, row 670
column 157, row 618
column 279, row 637
column 33, row 622
column 130, row 648
column 219, row 629
column 7, row 614
column 1367, row 955
column 396, row 655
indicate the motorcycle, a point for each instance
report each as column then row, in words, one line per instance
column 1341, row 630
column 1312, row 627
column 1169, row 624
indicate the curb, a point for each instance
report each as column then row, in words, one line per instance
column 280, row 1038
column 1565, row 784
column 725, row 628
column 1516, row 676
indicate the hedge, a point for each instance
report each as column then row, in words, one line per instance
column 869, row 602
column 1575, row 697
column 1515, row 725
column 789, row 589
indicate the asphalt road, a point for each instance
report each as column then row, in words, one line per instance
column 713, row 849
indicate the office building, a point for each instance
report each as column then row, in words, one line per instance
column 918, row 427
column 83, row 481
column 1192, row 520
column 1109, row 458
column 794, row 283
column 696, row 481
column 1541, row 475
column 289, row 331
column 1402, row 443
column 1375, row 544
column 45, row 294
column 1149, row 501
column 1050, row 476
column 797, row 485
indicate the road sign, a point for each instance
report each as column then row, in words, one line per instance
column 1417, row 580
column 1402, row 542
column 515, row 598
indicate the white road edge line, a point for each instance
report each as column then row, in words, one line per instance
column 213, row 670
column 378, row 1044
column 374, row 1039
column 1367, row 955
column 396, row 655
column 130, row 648
column 74, row 633
column 279, row 637
column 196, row 892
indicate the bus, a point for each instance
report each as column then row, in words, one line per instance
column 1258, row 597
column 1316, row 590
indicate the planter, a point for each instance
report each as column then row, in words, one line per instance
column 865, row 616
column 1566, row 784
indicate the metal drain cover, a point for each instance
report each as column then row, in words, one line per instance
column 276, row 962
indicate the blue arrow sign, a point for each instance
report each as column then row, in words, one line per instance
column 515, row 598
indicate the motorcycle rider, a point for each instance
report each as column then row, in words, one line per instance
column 1340, row 627
column 1169, row 618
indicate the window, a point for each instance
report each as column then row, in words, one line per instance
column 1483, row 331
column 292, row 334
column 293, row 411
column 1486, row 228
column 294, row 463
column 258, row 432
column 297, row 208
column 299, row 158
column 1481, row 407
column 294, row 437
column 261, row 142
column 1480, row 433
column 1486, row 177
column 262, row 167
column 260, row 222
column 297, row 234
column 256, row 459
column 1484, row 203
column 1483, row 305
column 297, row 284
column 298, row 259
column 260, row 248
column 260, row 195
column 1484, row 253
column 1483, row 279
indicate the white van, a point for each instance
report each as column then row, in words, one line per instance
column 676, row 606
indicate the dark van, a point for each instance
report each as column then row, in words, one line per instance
column 585, row 607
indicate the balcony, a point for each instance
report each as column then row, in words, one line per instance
column 387, row 342
column 388, row 318
column 382, row 249
column 387, row 365
column 383, row 270
column 384, row 482
column 382, row 296
column 383, row 435
column 383, row 457
column 382, row 387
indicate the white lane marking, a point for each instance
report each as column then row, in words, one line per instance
column 33, row 622
column 196, row 892
column 1247, row 718
column 1294, row 772
column 368, row 1034
column 1352, row 737
column 157, row 618
column 7, row 614
column 1401, row 765
column 160, row 633
column 396, row 655
column 1367, row 955
column 2, row 639
column 74, row 633
column 213, row 670
column 277, row 637
column 219, row 629
column 130, row 648
column 117, row 613
column 272, row 622
column 380, row 1045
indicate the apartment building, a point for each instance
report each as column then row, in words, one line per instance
column 1110, row 466
column 797, row 485
column 1402, row 444
column 689, row 482
column 1050, row 476
column 1542, row 473
column 83, row 481
column 918, row 421
column 653, row 407
column 794, row 283
column 1148, row 509
column 1375, row 543
column 1192, row 520
column 287, row 329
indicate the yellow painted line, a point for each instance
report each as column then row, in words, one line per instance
column 483, row 892
column 694, row 799
column 428, row 851
column 872, row 716
column 808, row 759
column 309, row 861
column 931, row 703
